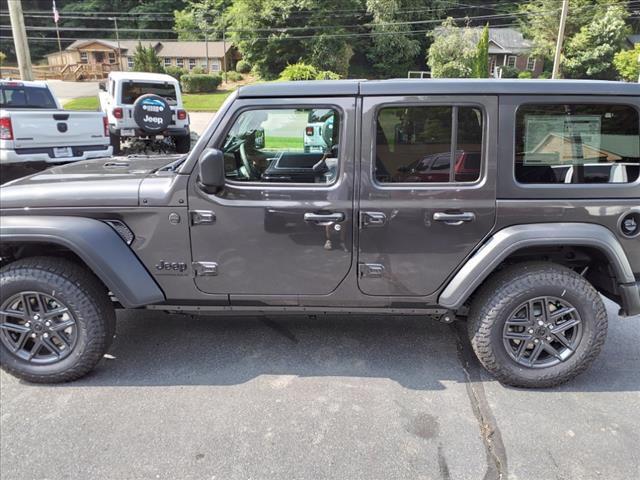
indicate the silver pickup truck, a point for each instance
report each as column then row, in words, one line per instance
column 35, row 129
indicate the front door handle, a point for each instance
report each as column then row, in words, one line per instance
column 454, row 219
column 324, row 219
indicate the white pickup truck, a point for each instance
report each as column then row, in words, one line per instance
column 35, row 129
column 144, row 105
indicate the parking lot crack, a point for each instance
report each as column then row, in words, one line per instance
column 489, row 431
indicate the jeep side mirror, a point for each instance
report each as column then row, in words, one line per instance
column 211, row 163
column 259, row 138
column 102, row 86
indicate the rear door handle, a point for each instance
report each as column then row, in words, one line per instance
column 324, row 219
column 454, row 219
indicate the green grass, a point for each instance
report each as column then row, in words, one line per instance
column 83, row 103
column 204, row 102
column 193, row 102
column 283, row 143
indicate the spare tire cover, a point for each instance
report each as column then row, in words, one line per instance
column 152, row 113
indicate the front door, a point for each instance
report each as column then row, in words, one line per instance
column 283, row 223
column 427, row 194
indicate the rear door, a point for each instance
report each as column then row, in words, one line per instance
column 427, row 190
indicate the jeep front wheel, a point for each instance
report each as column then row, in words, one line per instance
column 537, row 325
column 56, row 320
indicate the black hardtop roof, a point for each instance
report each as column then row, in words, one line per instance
column 330, row 88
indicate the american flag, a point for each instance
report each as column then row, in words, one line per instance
column 56, row 14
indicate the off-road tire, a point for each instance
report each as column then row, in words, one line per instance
column 87, row 299
column 116, row 143
column 182, row 143
column 503, row 292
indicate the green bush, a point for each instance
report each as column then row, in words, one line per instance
column 243, row 66
column 525, row 74
column 545, row 75
column 509, row 72
column 197, row 71
column 199, row 83
column 234, row 76
column 299, row 71
column 327, row 75
column 175, row 72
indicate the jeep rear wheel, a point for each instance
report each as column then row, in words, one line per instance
column 115, row 143
column 537, row 325
column 182, row 143
column 56, row 320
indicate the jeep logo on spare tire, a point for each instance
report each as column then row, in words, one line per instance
column 152, row 113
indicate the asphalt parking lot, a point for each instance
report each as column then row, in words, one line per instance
column 318, row 398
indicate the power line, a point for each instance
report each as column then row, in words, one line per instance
column 298, row 37
column 333, row 27
column 318, row 27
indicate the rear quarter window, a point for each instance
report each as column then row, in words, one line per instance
column 132, row 90
column 577, row 144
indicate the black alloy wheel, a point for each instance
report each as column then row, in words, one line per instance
column 37, row 327
column 542, row 332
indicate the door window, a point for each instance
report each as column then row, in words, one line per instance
column 420, row 144
column 288, row 145
column 577, row 144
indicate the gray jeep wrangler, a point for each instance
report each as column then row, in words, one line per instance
column 513, row 205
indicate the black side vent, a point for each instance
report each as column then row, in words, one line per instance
column 121, row 229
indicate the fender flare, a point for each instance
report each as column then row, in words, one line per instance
column 97, row 244
column 511, row 239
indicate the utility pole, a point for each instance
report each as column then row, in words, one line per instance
column 115, row 24
column 20, row 39
column 557, row 57
column 206, row 49
column 224, row 53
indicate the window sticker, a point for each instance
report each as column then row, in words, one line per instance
column 553, row 139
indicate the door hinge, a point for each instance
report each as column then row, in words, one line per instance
column 372, row 219
column 204, row 269
column 202, row 217
column 371, row 270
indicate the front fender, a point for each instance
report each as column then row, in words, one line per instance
column 511, row 239
column 97, row 244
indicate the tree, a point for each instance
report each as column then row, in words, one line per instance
column 539, row 21
column 481, row 66
column 452, row 53
column 589, row 54
column 272, row 34
column 394, row 48
column 201, row 18
column 145, row 59
column 627, row 63
column 331, row 53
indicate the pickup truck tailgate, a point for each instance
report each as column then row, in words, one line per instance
column 53, row 128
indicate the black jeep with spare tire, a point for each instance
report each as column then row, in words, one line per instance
column 513, row 206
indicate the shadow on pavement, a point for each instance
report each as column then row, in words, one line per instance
column 158, row 349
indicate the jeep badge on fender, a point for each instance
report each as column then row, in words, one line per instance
column 171, row 266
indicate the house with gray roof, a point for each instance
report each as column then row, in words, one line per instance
column 508, row 48
column 109, row 55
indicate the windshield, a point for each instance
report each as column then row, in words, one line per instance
column 132, row 90
column 21, row 96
